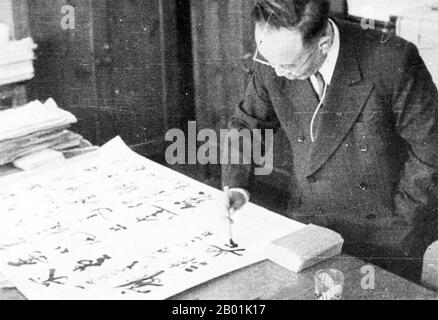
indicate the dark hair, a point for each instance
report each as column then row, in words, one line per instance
column 308, row 16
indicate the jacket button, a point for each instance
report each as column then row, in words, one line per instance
column 363, row 186
column 371, row 217
column 301, row 139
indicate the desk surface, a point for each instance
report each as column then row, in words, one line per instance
column 268, row 281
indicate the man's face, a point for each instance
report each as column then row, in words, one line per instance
column 285, row 51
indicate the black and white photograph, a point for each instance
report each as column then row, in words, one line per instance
column 249, row 151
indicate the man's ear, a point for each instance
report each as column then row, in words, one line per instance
column 324, row 44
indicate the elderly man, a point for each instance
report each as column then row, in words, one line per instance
column 360, row 111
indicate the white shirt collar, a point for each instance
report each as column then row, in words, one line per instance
column 328, row 68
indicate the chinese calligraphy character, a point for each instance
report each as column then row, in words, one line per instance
column 34, row 258
column 221, row 251
column 85, row 264
column 51, row 280
column 147, row 281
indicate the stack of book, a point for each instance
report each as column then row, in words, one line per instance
column 16, row 61
column 32, row 133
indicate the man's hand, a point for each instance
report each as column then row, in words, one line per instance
column 236, row 198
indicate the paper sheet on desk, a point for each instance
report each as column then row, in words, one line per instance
column 116, row 225
column 4, row 282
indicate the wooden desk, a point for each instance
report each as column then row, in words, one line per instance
column 268, row 281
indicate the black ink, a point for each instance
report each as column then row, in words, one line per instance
column 136, row 206
column 196, row 239
column 102, row 212
column 187, row 205
column 88, row 199
column 132, row 265
column 85, row 264
column 33, row 259
column 147, row 281
column 154, row 216
column 57, row 229
column 162, row 251
column 118, row 227
column 63, row 251
column 36, row 186
column 189, row 265
column 207, row 234
column 220, row 251
column 193, row 202
column 51, row 280
column 233, row 245
column 87, row 238
column 13, row 244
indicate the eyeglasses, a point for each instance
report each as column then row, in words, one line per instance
column 259, row 58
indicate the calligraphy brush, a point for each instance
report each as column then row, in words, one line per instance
column 230, row 220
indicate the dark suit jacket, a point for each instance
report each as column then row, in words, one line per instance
column 371, row 173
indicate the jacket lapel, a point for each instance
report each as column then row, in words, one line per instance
column 345, row 100
column 337, row 119
column 300, row 93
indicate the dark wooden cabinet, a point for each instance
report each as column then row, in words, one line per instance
column 120, row 70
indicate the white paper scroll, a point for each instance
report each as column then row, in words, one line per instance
column 114, row 225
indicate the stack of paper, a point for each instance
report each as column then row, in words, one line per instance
column 33, row 128
column 33, row 117
column 39, row 159
column 16, row 61
column 305, row 248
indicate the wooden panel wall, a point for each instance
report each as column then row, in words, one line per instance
column 120, row 70
column 65, row 61
column 220, row 40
